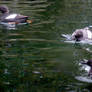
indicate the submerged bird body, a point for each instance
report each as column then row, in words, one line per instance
column 82, row 34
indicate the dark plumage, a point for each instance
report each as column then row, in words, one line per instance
column 11, row 18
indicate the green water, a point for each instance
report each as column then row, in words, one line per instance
column 34, row 57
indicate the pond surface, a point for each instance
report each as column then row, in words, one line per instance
column 34, row 57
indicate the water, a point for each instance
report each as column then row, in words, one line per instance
column 34, row 57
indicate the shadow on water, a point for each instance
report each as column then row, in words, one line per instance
column 33, row 58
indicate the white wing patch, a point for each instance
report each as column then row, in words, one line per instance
column 89, row 34
column 12, row 16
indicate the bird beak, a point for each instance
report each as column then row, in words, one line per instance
column 29, row 21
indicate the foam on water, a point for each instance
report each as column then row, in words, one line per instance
column 67, row 36
column 84, row 79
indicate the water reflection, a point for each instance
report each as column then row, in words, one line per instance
column 8, row 26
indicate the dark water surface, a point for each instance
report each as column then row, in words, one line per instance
column 34, row 57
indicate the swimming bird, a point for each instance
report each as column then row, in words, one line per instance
column 11, row 18
column 89, row 63
column 82, row 34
